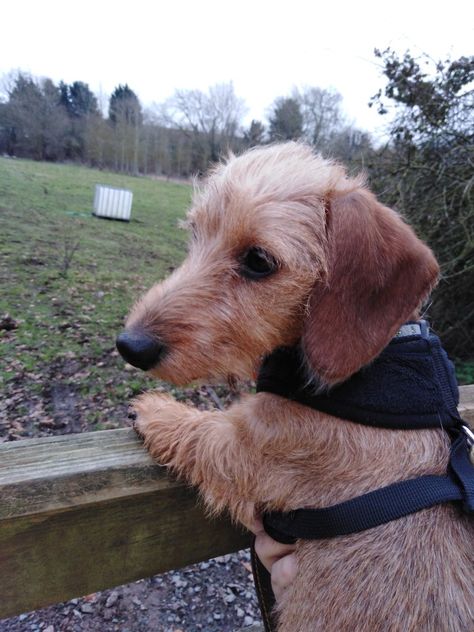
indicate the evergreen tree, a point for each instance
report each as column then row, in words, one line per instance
column 286, row 120
column 34, row 119
column 124, row 107
column 125, row 116
column 80, row 103
column 78, row 99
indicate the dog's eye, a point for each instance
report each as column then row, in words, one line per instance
column 256, row 263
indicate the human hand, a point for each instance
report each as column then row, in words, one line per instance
column 279, row 559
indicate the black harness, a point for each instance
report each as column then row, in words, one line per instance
column 411, row 385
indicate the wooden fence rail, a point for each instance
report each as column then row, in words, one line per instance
column 80, row 513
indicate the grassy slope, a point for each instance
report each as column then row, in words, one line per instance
column 64, row 344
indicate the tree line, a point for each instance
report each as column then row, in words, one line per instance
column 424, row 169
column 179, row 137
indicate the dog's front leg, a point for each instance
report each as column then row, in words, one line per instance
column 200, row 446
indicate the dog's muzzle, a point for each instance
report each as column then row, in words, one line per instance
column 140, row 349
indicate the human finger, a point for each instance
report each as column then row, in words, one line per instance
column 283, row 574
column 270, row 551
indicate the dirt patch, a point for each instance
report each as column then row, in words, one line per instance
column 64, row 407
column 61, row 398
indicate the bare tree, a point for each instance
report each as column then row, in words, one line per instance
column 321, row 112
column 210, row 118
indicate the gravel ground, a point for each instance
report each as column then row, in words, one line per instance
column 213, row 596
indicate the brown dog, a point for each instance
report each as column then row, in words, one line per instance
column 286, row 248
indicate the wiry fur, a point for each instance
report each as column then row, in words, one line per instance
column 350, row 273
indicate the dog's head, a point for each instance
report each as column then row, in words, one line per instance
column 283, row 247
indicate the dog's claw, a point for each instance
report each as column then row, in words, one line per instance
column 132, row 416
column 139, row 434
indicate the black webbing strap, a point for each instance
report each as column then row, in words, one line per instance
column 364, row 512
column 381, row 505
column 263, row 588
column 281, row 374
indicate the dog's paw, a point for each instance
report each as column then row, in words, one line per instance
column 160, row 423
column 148, row 411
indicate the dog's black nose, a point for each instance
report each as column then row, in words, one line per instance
column 139, row 349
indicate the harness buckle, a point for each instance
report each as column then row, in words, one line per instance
column 469, row 435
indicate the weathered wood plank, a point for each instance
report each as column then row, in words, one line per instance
column 54, row 472
column 86, row 512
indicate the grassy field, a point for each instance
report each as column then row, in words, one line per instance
column 59, row 371
column 59, row 364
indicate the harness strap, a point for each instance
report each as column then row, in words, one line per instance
column 461, row 467
column 381, row 505
column 263, row 588
column 421, row 392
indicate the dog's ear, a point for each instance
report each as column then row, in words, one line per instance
column 379, row 272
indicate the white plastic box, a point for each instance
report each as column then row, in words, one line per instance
column 112, row 203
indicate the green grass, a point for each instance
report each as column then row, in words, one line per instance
column 59, row 366
column 67, row 323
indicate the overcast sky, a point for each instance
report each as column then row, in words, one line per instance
column 264, row 47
